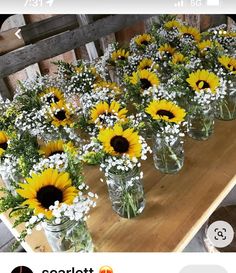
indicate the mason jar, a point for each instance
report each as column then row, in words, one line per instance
column 226, row 108
column 114, row 74
column 201, row 122
column 126, row 193
column 69, row 236
column 168, row 153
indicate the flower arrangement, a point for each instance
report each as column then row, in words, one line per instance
column 19, row 152
column 142, row 43
column 43, row 110
column 167, row 81
column 120, row 149
column 140, row 84
column 167, row 121
column 116, row 58
column 166, row 30
column 226, row 108
column 46, row 185
column 52, row 193
column 226, row 38
column 83, row 78
column 47, row 197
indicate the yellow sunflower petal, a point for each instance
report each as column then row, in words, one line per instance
column 166, row 110
column 117, row 141
column 42, row 190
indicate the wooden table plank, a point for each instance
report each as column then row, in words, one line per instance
column 177, row 205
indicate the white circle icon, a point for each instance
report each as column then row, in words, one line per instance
column 220, row 234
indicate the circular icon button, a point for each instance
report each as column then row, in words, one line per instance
column 22, row 269
column 220, row 234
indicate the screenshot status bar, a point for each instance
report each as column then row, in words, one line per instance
column 121, row 6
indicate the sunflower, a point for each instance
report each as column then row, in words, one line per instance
column 42, row 191
column 55, row 147
column 143, row 40
column 203, row 79
column 109, row 85
column 3, row 142
column 205, row 45
column 190, row 32
column 52, row 94
column 103, row 108
column 165, row 110
column 117, row 141
column 178, row 58
column 229, row 63
column 147, row 64
column 119, row 55
column 172, row 24
column 167, row 50
column 61, row 115
column 145, row 78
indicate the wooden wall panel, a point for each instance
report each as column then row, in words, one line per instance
column 181, row 17
column 18, row 76
column 29, row 72
column 231, row 23
column 193, row 20
column 124, row 36
column 105, row 41
column 208, row 21
column 30, row 18
column 149, row 22
column 46, row 66
column 6, row 92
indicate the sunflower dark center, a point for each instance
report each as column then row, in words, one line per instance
column 166, row 113
column 168, row 54
column 203, row 84
column 60, row 115
column 188, row 35
column 122, row 58
column 3, row 145
column 120, row 144
column 52, row 98
column 56, row 153
column 233, row 68
column 144, row 43
column 145, row 83
column 48, row 195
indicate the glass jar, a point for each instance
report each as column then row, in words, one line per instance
column 201, row 121
column 6, row 180
column 69, row 236
column 114, row 74
column 226, row 108
column 9, row 177
column 126, row 193
column 168, row 153
column 147, row 131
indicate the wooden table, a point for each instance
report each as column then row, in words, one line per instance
column 177, row 205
